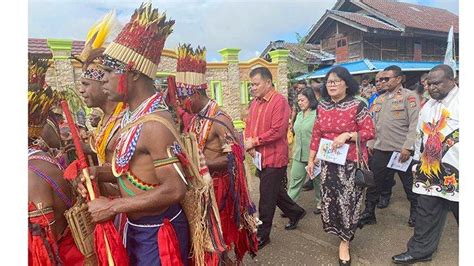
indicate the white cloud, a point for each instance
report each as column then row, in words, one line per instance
column 248, row 25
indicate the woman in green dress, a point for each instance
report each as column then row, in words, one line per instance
column 303, row 128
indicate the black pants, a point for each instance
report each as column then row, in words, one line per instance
column 431, row 217
column 384, row 178
column 273, row 193
column 387, row 187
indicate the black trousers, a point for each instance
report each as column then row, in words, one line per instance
column 387, row 187
column 384, row 178
column 273, row 193
column 431, row 217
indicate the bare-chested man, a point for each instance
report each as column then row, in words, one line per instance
column 91, row 82
column 224, row 155
column 49, row 195
column 148, row 175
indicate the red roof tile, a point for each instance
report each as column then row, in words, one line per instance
column 416, row 16
column 364, row 20
column 40, row 47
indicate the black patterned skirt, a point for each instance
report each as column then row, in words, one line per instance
column 341, row 199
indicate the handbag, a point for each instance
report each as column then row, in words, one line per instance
column 363, row 176
column 290, row 136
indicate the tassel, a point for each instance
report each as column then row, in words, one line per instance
column 72, row 171
column 119, row 254
column 42, row 246
column 169, row 245
column 123, row 86
column 171, row 93
column 187, row 105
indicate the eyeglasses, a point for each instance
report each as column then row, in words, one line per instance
column 333, row 82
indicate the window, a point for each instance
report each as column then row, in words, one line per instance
column 341, row 43
column 216, row 91
column 245, row 96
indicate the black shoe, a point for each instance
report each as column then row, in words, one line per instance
column 383, row 203
column 406, row 258
column 262, row 242
column 344, row 262
column 293, row 223
column 317, row 211
column 367, row 218
column 308, row 185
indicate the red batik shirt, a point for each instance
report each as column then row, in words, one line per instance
column 267, row 126
column 348, row 115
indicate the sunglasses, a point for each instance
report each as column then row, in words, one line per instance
column 385, row 79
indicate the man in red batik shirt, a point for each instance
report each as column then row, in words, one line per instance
column 265, row 133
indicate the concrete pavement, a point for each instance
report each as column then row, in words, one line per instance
column 373, row 245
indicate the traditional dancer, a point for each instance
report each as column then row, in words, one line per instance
column 92, row 80
column 49, row 195
column 157, row 231
column 224, row 155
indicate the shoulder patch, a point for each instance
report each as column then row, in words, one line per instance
column 412, row 101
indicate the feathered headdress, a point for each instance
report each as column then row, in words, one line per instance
column 140, row 43
column 190, row 70
column 40, row 96
column 93, row 50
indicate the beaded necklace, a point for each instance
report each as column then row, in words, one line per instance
column 201, row 126
column 37, row 153
column 105, row 133
column 127, row 140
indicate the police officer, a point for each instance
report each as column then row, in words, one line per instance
column 386, row 192
column 395, row 117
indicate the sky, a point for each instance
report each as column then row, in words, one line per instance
column 248, row 25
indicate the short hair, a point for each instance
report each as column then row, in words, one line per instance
column 342, row 73
column 309, row 93
column 263, row 71
column 302, row 82
column 315, row 80
column 365, row 77
column 447, row 70
column 396, row 69
column 424, row 76
column 418, row 88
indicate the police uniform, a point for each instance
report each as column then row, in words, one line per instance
column 395, row 117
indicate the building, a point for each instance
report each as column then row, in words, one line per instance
column 384, row 30
column 302, row 57
column 228, row 80
column 367, row 35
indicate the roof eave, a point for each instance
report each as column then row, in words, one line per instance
column 336, row 18
column 316, row 27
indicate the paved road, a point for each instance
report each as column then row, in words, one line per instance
column 373, row 245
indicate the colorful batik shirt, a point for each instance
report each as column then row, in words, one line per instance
column 437, row 148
